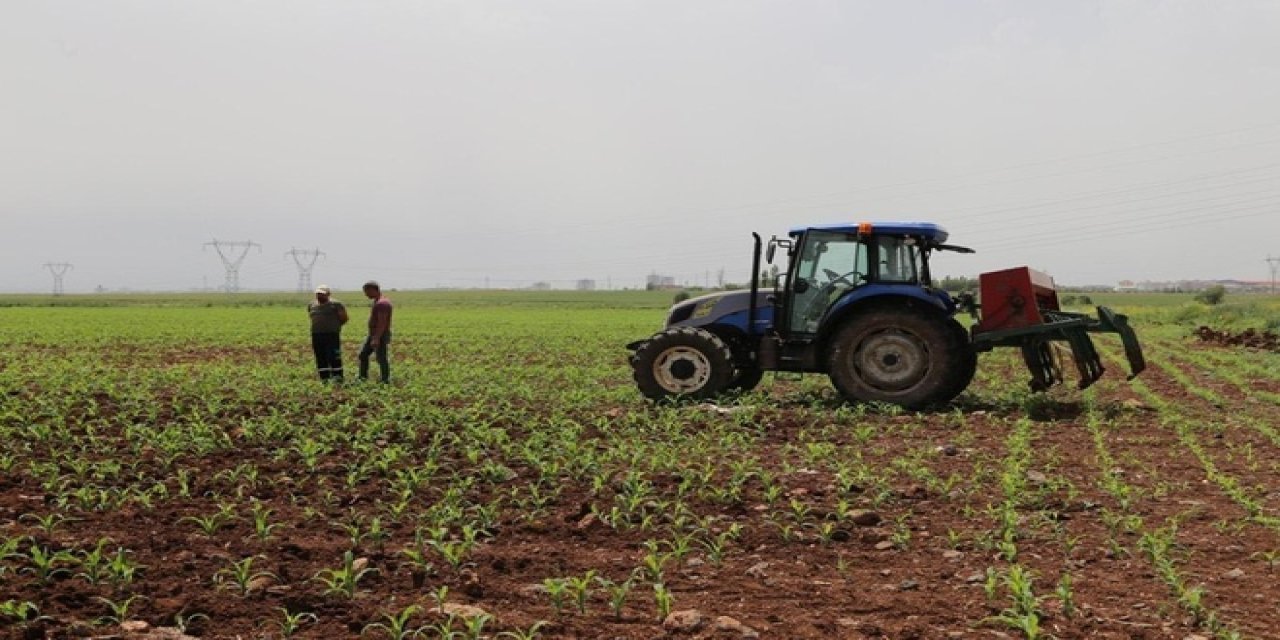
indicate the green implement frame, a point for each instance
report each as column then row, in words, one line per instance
column 1036, row 343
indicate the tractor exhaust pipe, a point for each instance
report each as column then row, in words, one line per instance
column 755, row 288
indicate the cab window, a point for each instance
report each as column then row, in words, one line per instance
column 830, row 263
column 897, row 259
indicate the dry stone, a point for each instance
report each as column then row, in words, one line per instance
column 686, row 621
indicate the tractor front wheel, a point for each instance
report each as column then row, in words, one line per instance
column 900, row 357
column 683, row 361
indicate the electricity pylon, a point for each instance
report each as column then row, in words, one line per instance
column 231, row 260
column 305, row 259
column 58, row 269
column 1274, row 263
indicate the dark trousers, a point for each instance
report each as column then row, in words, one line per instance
column 384, row 365
column 328, row 349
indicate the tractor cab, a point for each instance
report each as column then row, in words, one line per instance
column 830, row 267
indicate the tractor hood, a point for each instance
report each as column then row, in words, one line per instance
column 727, row 308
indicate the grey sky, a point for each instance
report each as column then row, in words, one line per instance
column 446, row 143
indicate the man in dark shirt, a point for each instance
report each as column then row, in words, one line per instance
column 379, row 332
column 327, row 317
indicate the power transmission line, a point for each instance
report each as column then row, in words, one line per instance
column 58, row 269
column 306, row 260
column 231, row 261
column 1274, row 263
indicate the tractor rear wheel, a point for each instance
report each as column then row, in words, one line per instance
column 901, row 357
column 683, row 361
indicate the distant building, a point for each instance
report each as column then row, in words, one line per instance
column 586, row 285
column 656, row 281
column 1178, row 286
column 540, row 286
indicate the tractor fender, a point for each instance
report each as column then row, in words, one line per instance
column 871, row 297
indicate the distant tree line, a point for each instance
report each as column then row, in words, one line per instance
column 958, row 283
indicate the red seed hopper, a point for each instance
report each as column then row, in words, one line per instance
column 1019, row 308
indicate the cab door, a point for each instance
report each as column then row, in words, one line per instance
column 827, row 265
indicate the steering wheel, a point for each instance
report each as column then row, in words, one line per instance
column 818, row 303
column 834, row 277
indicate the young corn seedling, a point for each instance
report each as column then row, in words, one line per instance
column 716, row 545
column 1270, row 557
column 210, row 525
column 786, row 530
column 47, row 565
column 419, row 567
column 121, row 570
column 901, row 536
column 523, row 634
column 680, row 545
column 263, row 528
column 290, row 623
column 345, row 579
column 9, row 549
column 991, row 583
column 376, row 533
column 663, row 599
column 1024, row 614
column 454, row 552
column 19, row 611
column 354, row 530
column 654, row 564
column 557, row 589
column 45, row 523
column 440, row 595
column 617, row 592
column 397, row 626
column 241, row 576
column 184, row 623
column 580, row 589
column 93, row 564
column 1065, row 596
column 473, row 627
column 119, row 610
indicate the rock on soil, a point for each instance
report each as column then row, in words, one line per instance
column 731, row 625
column 460, row 610
column 687, row 621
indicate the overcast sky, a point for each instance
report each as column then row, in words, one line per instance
column 467, row 143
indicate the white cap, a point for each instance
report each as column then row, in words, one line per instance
column 324, row 288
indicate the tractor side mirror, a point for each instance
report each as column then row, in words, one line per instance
column 774, row 243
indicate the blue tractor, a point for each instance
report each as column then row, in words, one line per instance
column 856, row 302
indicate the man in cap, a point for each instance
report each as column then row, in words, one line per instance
column 379, row 332
column 327, row 317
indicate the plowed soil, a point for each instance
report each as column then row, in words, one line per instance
column 916, row 568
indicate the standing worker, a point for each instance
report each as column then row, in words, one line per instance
column 327, row 317
column 379, row 332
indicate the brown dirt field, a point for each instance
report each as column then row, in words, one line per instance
column 927, row 582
